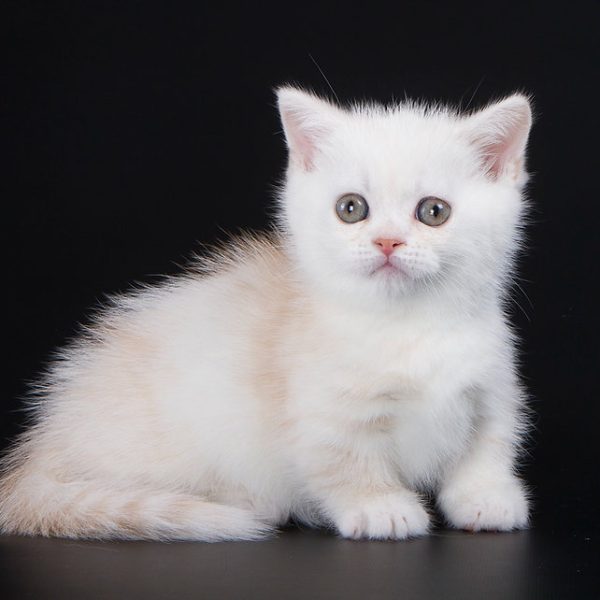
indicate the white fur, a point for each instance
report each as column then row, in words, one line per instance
column 287, row 379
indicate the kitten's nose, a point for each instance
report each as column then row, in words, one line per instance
column 387, row 246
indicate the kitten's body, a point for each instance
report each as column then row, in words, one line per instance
column 223, row 403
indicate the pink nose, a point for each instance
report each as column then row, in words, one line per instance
column 387, row 246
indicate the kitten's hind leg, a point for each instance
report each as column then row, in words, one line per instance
column 33, row 503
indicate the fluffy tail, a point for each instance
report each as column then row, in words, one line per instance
column 32, row 503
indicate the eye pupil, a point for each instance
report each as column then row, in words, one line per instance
column 352, row 208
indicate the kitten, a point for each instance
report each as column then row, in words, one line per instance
column 327, row 373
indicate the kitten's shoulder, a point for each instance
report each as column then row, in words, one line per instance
column 246, row 251
column 253, row 268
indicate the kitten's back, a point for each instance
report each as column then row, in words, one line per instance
column 119, row 419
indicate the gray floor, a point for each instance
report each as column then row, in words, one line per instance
column 308, row 564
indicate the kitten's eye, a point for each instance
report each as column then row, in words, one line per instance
column 433, row 211
column 352, row 208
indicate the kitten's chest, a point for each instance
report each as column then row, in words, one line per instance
column 411, row 364
column 408, row 390
column 424, row 386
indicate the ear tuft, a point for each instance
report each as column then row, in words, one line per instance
column 307, row 122
column 500, row 134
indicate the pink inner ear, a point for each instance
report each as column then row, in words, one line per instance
column 499, row 154
column 303, row 149
column 307, row 121
column 301, row 140
column 500, row 134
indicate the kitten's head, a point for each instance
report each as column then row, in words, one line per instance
column 381, row 203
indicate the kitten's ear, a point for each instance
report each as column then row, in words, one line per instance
column 307, row 122
column 500, row 134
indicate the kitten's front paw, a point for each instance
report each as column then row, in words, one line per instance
column 499, row 506
column 393, row 516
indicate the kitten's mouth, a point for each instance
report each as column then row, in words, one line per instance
column 388, row 269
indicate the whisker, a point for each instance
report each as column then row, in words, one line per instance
column 516, row 283
column 324, row 77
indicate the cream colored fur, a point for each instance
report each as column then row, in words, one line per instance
column 285, row 377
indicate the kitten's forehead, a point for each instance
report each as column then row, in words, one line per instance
column 400, row 147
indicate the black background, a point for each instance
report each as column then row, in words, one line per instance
column 136, row 130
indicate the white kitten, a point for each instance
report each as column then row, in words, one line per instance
column 327, row 373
